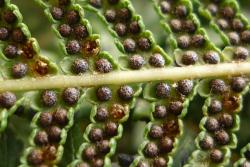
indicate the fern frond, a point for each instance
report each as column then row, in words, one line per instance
column 20, row 57
column 217, row 136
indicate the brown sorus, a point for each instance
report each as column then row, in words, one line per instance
column 7, row 99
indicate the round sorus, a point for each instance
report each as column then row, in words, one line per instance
column 226, row 120
column 60, row 116
column 160, row 111
column 157, row 60
column 126, row 92
column 91, row 47
column 101, row 114
column 50, row 152
column 117, row 111
column 120, row 29
column 124, row 14
column 245, row 36
column 183, row 41
column 49, row 98
column 104, row 93
column 151, row 150
column 9, row 16
column 103, row 65
column 103, row 146
column 72, row 17
column 35, row 157
column 189, row 26
column 165, row 7
column 238, row 84
column 176, row 25
column 218, row 86
column 80, row 66
column 215, row 107
column 212, row 8
column 212, row 124
column 11, row 51
column 237, row 25
column 171, row 126
column 227, row 12
column 18, row 36
column 216, row 156
column 19, row 70
column 142, row 164
column 65, row 30
column 234, row 38
column 41, row 138
column 73, row 47
column 129, row 45
column 181, row 11
column 7, row 99
column 134, row 27
column 111, row 128
column 159, row 162
column 54, row 133
column 57, row 13
column 175, row 107
column 222, row 137
column 45, row 119
column 197, row 40
column 162, row 90
column 97, row 162
column 156, row 131
column 41, row 67
column 185, row 86
column 241, row 53
column 144, row 44
column 4, row 33
column 80, row 31
column 89, row 152
column 125, row 160
column 96, row 134
column 110, row 15
column 211, row 57
column 189, row 58
column 136, row 62
column 223, row 24
column 71, row 95
column 206, row 143
column 166, row 144
column 96, row 3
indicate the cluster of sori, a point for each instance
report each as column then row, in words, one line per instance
column 112, row 107
column 123, row 21
column 232, row 26
column 185, row 34
column 47, row 138
column 162, row 131
column 19, row 57
column 244, row 161
column 224, row 95
column 129, row 29
column 19, row 47
column 221, row 120
column 109, row 109
column 50, row 127
column 77, row 39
